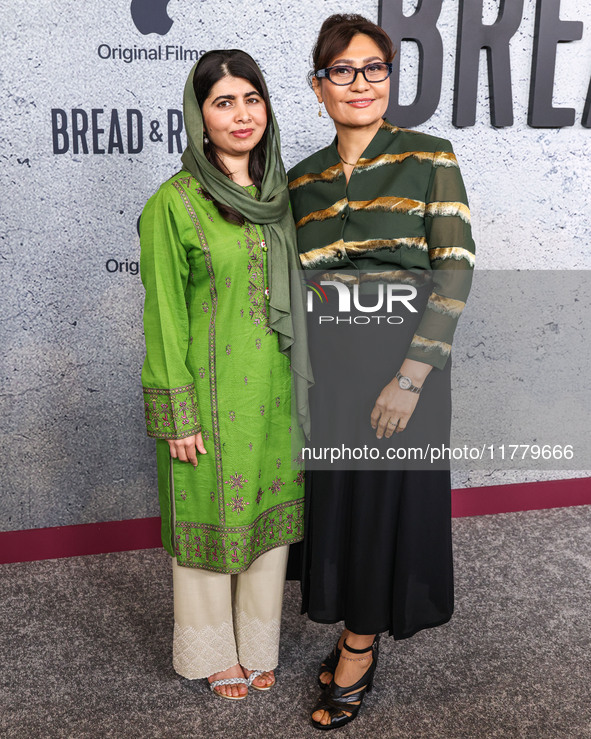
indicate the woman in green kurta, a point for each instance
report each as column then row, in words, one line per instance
column 218, row 243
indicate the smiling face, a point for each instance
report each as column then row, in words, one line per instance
column 362, row 103
column 234, row 116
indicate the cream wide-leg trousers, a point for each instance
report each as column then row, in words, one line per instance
column 220, row 620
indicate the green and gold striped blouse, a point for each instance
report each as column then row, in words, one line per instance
column 405, row 207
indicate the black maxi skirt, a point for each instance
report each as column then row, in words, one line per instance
column 377, row 552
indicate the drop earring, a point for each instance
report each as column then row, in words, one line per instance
column 205, row 139
column 319, row 110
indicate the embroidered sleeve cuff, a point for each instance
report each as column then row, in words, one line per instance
column 429, row 351
column 171, row 413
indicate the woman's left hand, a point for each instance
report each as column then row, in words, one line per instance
column 394, row 406
column 392, row 410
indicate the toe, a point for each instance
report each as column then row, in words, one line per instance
column 265, row 680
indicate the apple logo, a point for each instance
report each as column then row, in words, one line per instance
column 150, row 16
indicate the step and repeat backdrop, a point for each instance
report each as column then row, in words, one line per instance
column 91, row 124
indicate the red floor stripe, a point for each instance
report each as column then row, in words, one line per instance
column 144, row 533
column 524, row 496
column 29, row 545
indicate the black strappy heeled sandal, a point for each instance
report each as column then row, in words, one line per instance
column 343, row 704
column 329, row 664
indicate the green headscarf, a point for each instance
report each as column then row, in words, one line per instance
column 286, row 301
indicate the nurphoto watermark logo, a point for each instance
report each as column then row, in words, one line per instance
column 351, row 304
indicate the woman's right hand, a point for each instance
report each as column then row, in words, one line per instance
column 184, row 449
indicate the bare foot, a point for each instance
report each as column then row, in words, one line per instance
column 233, row 691
column 265, row 680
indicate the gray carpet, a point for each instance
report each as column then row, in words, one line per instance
column 85, row 649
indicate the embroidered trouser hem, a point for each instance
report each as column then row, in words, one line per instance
column 221, row 619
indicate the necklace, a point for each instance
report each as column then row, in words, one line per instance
column 345, row 162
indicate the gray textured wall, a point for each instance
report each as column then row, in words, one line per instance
column 73, row 443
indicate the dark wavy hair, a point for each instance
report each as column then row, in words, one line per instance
column 336, row 34
column 212, row 67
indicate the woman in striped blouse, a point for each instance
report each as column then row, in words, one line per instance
column 379, row 204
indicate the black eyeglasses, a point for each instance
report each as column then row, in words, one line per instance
column 343, row 74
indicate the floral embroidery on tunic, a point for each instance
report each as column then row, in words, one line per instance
column 276, row 485
column 228, row 281
column 250, row 446
column 236, row 481
column 171, row 412
column 278, row 463
column 215, row 548
column 205, row 436
column 190, row 339
column 256, row 282
column 212, row 496
column 204, row 194
column 183, row 494
column 241, row 312
column 201, row 372
column 299, row 459
column 299, row 478
column 228, row 348
column 257, row 343
column 237, row 504
column 262, row 410
column 205, row 306
column 232, row 415
column 246, row 380
column 259, row 495
column 277, row 402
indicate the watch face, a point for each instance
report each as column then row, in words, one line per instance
column 404, row 382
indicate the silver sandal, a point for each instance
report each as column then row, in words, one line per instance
column 230, row 681
column 253, row 675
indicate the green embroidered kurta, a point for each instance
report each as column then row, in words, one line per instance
column 405, row 207
column 213, row 365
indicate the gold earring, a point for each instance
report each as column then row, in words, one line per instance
column 319, row 110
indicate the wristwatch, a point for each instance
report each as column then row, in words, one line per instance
column 405, row 383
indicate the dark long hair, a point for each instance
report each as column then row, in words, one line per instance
column 212, row 67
